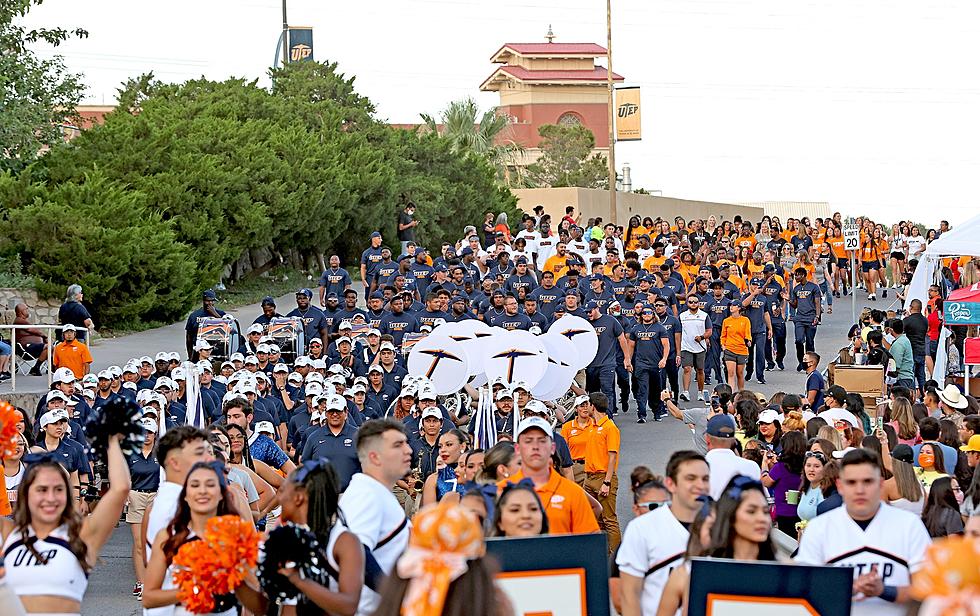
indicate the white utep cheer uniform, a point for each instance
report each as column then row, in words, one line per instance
column 895, row 540
column 56, row 573
column 653, row 545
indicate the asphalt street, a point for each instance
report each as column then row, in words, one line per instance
column 649, row 444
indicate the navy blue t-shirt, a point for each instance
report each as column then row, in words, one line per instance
column 806, row 296
column 649, row 347
column 608, row 329
column 815, row 382
column 313, row 321
column 371, row 259
column 755, row 311
column 397, row 325
column 335, row 281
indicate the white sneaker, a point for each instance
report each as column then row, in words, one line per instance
column 686, row 397
column 872, row 297
column 700, row 396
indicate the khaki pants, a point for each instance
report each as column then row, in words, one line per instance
column 609, row 522
column 578, row 471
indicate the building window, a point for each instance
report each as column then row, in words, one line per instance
column 569, row 119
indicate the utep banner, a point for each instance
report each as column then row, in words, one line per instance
column 730, row 588
column 301, row 44
column 628, row 114
column 566, row 575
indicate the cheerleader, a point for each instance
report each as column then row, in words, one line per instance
column 48, row 549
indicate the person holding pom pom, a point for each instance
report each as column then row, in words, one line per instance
column 204, row 497
column 49, row 549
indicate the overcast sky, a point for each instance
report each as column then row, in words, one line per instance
column 871, row 105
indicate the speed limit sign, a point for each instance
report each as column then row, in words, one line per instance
column 852, row 234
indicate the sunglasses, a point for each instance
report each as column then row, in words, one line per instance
column 651, row 506
column 816, row 454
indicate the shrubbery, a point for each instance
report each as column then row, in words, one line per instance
column 148, row 209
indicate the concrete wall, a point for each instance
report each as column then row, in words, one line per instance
column 592, row 203
column 43, row 311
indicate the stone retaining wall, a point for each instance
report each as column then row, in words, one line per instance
column 43, row 311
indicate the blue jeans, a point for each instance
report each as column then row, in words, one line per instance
column 778, row 343
column 649, row 386
column 4, row 349
column 623, row 380
column 804, row 333
column 919, row 364
column 602, row 378
column 713, row 359
column 757, row 355
column 826, row 291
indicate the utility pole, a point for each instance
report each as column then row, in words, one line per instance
column 612, row 114
column 285, row 36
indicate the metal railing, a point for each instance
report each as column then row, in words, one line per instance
column 51, row 344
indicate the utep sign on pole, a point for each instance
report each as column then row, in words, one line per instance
column 852, row 240
column 300, row 44
column 566, row 575
column 730, row 588
column 628, row 114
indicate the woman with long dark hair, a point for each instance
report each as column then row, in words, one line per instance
column 309, row 497
column 49, row 549
column 742, row 525
column 519, row 513
column 941, row 514
column 452, row 445
column 205, row 495
column 675, row 595
column 783, row 479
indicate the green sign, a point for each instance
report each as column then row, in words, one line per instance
column 961, row 313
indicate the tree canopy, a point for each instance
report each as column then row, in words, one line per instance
column 567, row 159
column 187, row 180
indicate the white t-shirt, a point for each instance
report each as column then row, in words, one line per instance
column 652, row 546
column 724, row 464
column 163, row 511
column 372, row 513
column 833, row 415
column 895, row 540
column 915, row 243
column 579, row 247
column 694, row 325
column 531, row 238
column 643, row 254
column 546, row 248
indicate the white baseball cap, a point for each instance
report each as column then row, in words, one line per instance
column 520, row 385
column 769, row 416
column 344, row 339
column 504, row 394
column 63, row 375
column 255, row 328
column 115, row 371
column 205, row 365
column 146, row 359
column 345, row 324
column 252, row 359
column 130, row 369
column 173, row 356
column 376, row 368
column 536, row 407
column 534, row 422
column 56, row 395
column 427, row 393
column 295, row 378
column 149, row 424
column 373, row 332
column 69, row 328
column 313, row 389
column 105, row 374
column 127, row 385
column 265, row 426
column 580, row 400
column 387, row 346
column 163, row 356
column 262, row 348
column 357, row 388
column 202, row 345
column 280, row 368
column 274, row 349
column 177, row 374
column 319, row 364
column 53, row 417
column 236, row 357
column 432, row 411
column 336, row 403
column 302, row 360
column 314, row 377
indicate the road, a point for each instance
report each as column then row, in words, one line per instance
column 649, row 444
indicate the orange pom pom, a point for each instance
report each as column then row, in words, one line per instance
column 951, row 572
column 9, row 437
column 216, row 564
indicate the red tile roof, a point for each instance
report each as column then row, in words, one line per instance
column 598, row 74
column 557, row 49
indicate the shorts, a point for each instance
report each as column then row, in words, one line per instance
column 898, row 256
column 870, row 266
column 33, row 349
column 138, row 503
column 696, row 360
column 739, row 360
column 843, row 262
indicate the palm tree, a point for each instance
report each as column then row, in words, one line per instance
column 459, row 124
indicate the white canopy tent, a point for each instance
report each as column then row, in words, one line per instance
column 964, row 239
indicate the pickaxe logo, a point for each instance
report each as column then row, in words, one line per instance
column 511, row 355
column 437, row 356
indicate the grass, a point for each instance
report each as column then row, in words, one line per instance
column 275, row 282
column 12, row 274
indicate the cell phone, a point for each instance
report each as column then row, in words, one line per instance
column 881, row 422
column 715, row 402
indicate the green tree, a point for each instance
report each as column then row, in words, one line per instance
column 36, row 96
column 567, row 159
column 470, row 132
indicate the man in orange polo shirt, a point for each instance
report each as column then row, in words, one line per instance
column 72, row 354
column 601, row 461
column 577, row 432
column 565, row 503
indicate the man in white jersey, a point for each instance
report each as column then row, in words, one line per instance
column 885, row 545
column 177, row 451
column 655, row 543
column 370, row 508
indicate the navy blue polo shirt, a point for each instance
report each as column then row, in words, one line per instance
column 339, row 448
column 608, row 329
column 195, row 318
column 144, row 471
column 70, row 455
column 76, row 314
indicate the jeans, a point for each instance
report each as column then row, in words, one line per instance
column 648, row 391
column 602, row 378
column 4, row 349
column 804, row 334
column 670, row 376
column 623, row 381
column 919, row 364
column 827, row 292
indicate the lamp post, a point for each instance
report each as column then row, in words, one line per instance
column 285, row 36
column 612, row 115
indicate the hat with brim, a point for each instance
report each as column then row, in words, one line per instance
column 952, row 397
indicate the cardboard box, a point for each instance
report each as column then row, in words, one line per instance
column 869, row 381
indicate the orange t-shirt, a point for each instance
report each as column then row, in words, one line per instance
column 4, row 497
column 577, row 438
column 869, row 250
column 653, row 263
column 809, row 269
column 745, row 241
column 72, row 355
column 605, row 439
column 734, row 332
column 557, row 265
column 837, row 245
column 565, row 503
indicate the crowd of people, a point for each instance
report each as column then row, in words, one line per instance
column 341, row 439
